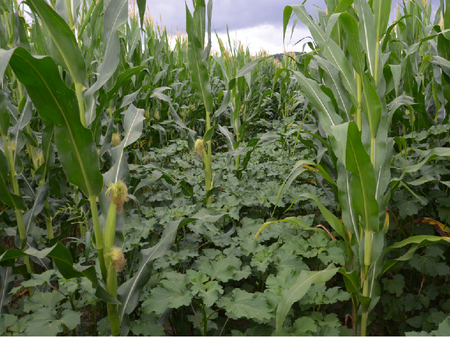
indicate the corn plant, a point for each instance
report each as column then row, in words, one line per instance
column 62, row 109
column 346, row 84
column 198, row 66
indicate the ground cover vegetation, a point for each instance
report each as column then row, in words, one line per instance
column 152, row 186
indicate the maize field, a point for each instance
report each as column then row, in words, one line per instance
column 150, row 185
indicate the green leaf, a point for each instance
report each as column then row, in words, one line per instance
column 382, row 11
column 335, row 294
column 6, row 283
column 343, row 5
column 146, row 325
column 429, row 264
column 444, row 328
column 247, row 68
column 20, row 36
column 124, row 77
column 300, row 167
column 4, row 114
column 305, row 326
column 394, row 285
column 57, row 103
column 208, row 292
column 229, row 137
column 349, row 215
column 330, row 217
column 130, row 291
column 6, row 321
column 71, row 319
column 5, row 55
column 299, row 289
column 351, row 280
column 38, row 279
column 170, row 293
column 63, row 39
column 409, row 207
column 371, row 105
column 197, row 67
column 221, row 270
column 416, row 242
column 48, row 152
column 367, row 33
column 44, row 323
column 116, row 14
column 209, row 134
column 283, row 280
column 141, row 5
column 6, row 195
column 425, row 157
column 243, row 304
column 334, row 82
column 300, row 11
column 133, row 125
column 42, row 299
column 63, row 261
column 334, row 255
column 362, row 183
column 29, row 217
column 337, row 58
column 327, row 114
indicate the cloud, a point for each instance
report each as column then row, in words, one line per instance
column 267, row 37
column 255, row 23
column 236, row 14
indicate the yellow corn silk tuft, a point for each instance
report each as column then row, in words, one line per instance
column 117, row 258
column 115, row 139
column 199, row 143
column 12, row 146
column 38, row 157
column 117, row 193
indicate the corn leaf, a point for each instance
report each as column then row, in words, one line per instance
column 349, row 215
column 141, row 5
column 6, row 284
column 367, row 33
column 57, row 103
column 300, row 11
column 116, row 14
column 382, row 11
column 352, row 41
column 4, row 114
column 296, row 292
column 6, row 195
column 130, row 291
column 332, row 220
column 63, row 39
column 371, row 105
column 133, row 125
column 362, row 182
column 327, row 114
column 197, row 66
column 63, row 261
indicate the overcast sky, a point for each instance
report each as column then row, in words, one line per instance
column 258, row 24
